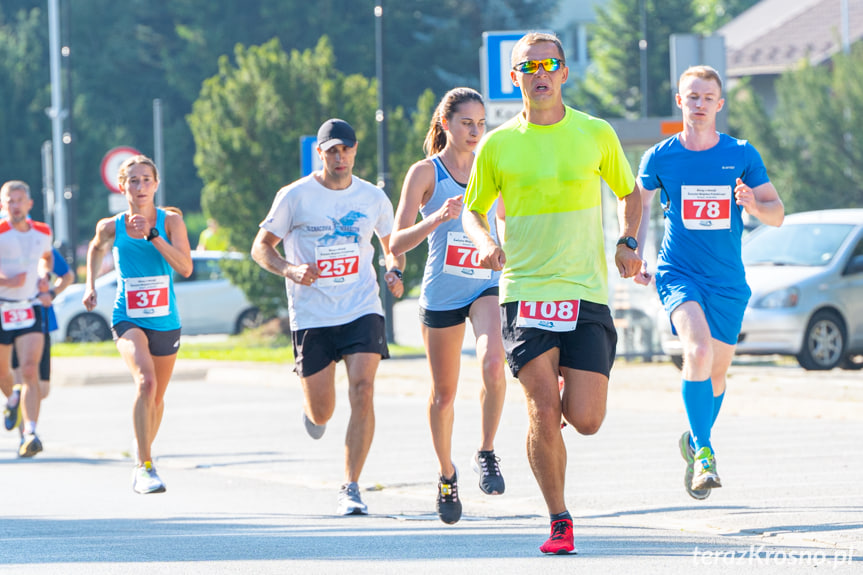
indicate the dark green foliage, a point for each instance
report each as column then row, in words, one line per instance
column 813, row 145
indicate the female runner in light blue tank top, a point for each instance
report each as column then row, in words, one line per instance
column 454, row 287
column 149, row 244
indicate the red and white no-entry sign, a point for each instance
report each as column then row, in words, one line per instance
column 111, row 164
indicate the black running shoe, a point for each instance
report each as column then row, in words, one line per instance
column 30, row 445
column 490, row 480
column 448, row 504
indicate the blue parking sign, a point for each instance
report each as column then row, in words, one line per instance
column 496, row 51
column 310, row 161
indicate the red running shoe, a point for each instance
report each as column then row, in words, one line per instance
column 561, row 540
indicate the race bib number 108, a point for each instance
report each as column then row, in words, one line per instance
column 548, row 315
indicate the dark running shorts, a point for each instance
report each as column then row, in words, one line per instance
column 39, row 326
column 451, row 317
column 44, row 363
column 160, row 343
column 316, row 347
column 590, row 347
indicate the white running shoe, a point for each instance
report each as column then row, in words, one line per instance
column 145, row 480
column 350, row 502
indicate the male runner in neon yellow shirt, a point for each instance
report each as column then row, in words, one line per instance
column 546, row 165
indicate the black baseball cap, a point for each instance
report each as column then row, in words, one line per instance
column 335, row 131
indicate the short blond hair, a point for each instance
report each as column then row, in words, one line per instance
column 14, row 185
column 704, row 72
column 532, row 38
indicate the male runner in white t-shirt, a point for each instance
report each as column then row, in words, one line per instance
column 325, row 222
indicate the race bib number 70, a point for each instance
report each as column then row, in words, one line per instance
column 548, row 315
column 462, row 258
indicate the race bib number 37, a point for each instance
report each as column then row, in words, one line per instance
column 337, row 264
column 462, row 258
column 706, row 207
column 147, row 296
column 548, row 315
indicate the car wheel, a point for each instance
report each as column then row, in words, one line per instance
column 677, row 360
column 249, row 319
column 823, row 343
column 87, row 327
column 852, row 362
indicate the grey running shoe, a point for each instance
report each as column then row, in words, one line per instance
column 314, row 430
column 145, row 480
column 704, row 470
column 448, row 504
column 350, row 502
column 30, row 445
column 12, row 415
column 688, row 454
column 490, row 480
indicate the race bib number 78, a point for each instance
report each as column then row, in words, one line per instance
column 706, row 207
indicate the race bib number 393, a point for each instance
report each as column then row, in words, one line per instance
column 462, row 258
column 17, row 315
column 548, row 315
column 706, row 207
column 337, row 265
column 147, row 296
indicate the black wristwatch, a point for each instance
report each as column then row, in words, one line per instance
column 629, row 242
column 154, row 233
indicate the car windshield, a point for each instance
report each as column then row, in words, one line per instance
column 812, row 244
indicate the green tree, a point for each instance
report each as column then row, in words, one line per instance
column 612, row 86
column 121, row 60
column 813, row 145
column 24, row 95
column 247, row 123
column 715, row 14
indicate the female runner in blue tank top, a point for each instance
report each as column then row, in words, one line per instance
column 454, row 287
column 149, row 244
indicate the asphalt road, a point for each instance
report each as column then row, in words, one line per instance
column 249, row 492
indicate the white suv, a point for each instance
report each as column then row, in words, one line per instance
column 207, row 301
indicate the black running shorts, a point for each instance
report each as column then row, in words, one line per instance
column 317, row 347
column 590, row 347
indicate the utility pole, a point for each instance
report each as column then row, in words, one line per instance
column 159, row 151
column 383, row 155
column 57, row 113
column 642, row 48
column 846, row 43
